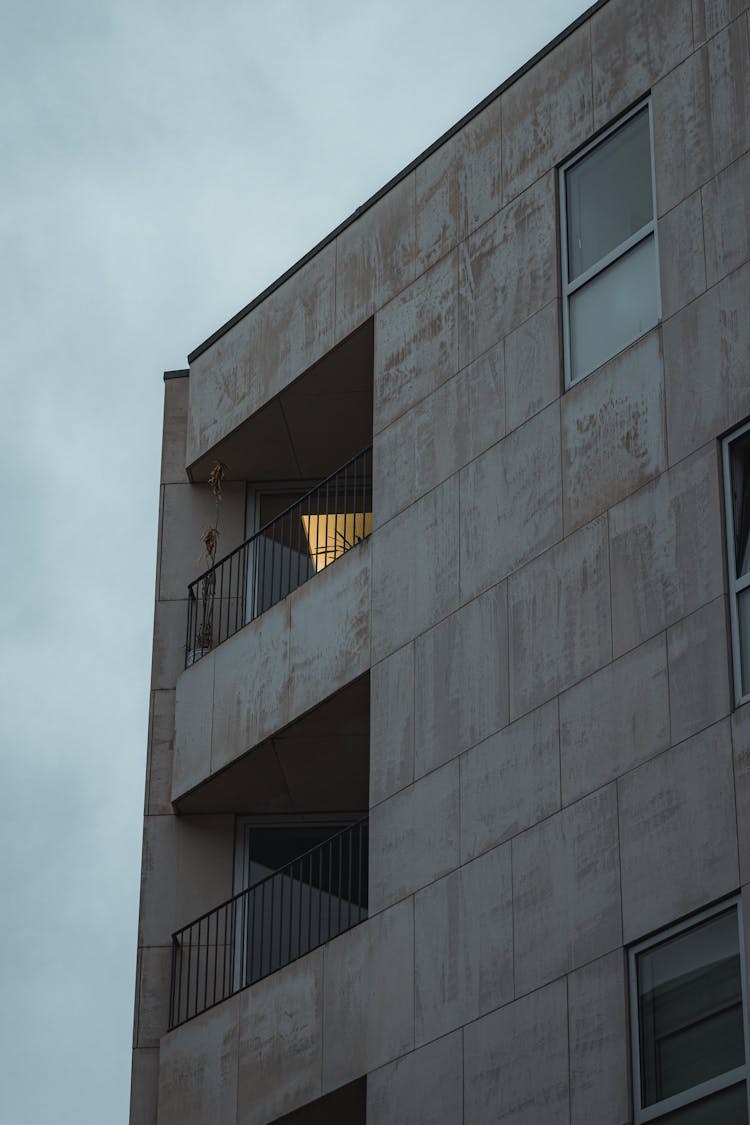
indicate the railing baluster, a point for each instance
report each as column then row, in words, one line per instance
column 252, row 946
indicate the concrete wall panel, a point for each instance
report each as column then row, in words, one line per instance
column 516, row 1062
column 699, row 670
column 144, row 1086
column 532, row 365
column 511, row 503
column 706, row 356
column 423, row 1088
column 613, row 431
column 414, row 837
column 290, row 331
column 702, row 115
column 678, row 808
column 392, row 724
column 198, row 1069
column 614, row 720
column 559, row 618
column 547, row 113
column 459, row 699
column 281, row 1042
column 416, row 347
column 459, row 187
column 726, row 220
column 510, row 781
column 161, row 743
column 598, row 1035
column 415, row 569
column 368, row 996
column 566, row 890
column 463, row 945
column 710, row 16
column 633, row 44
column 507, row 270
column 683, row 260
column 375, row 257
column 665, row 550
column 329, row 643
column 174, row 431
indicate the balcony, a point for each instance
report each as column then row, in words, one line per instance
column 276, row 920
column 288, row 550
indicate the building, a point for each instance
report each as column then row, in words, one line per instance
column 448, row 801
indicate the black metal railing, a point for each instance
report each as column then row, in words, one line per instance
column 317, row 896
column 308, row 536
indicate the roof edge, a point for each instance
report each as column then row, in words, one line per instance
column 522, row 70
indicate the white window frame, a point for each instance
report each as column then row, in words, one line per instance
column 736, row 585
column 715, row 1085
column 650, row 228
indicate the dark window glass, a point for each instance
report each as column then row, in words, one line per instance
column 609, row 195
column 690, row 1008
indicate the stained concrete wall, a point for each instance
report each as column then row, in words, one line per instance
column 556, row 766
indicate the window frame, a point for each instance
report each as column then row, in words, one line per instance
column 569, row 288
column 736, row 585
column 641, row 1114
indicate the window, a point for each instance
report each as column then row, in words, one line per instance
column 609, row 253
column 737, row 498
column 688, row 1023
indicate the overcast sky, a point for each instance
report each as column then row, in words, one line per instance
column 161, row 161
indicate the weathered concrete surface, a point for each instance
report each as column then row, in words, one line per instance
column 702, row 115
column 415, row 569
column 281, row 1042
column 510, row 781
column 559, row 618
column 463, row 945
column 726, row 220
column 516, row 1062
column 368, row 996
column 566, row 890
column 144, row 1086
column 633, row 44
column 683, row 261
column 507, row 270
column 416, row 344
column 547, row 113
column 375, row 257
column 614, row 720
column 613, row 436
column 533, row 372
column 510, row 501
column 459, row 700
column 598, row 1037
column 665, row 550
column 414, row 837
column 392, row 724
column 198, row 1069
column 424, row 1087
column 700, row 673
column 679, row 808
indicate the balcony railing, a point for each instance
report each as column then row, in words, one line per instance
column 314, row 898
column 308, row 536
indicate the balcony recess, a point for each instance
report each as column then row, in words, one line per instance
column 297, row 908
column 305, row 538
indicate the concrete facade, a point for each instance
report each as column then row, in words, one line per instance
column 531, row 652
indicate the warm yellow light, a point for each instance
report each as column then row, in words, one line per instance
column 329, row 536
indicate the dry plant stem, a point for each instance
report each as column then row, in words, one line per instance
column 210, row 540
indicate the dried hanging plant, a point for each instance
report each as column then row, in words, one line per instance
column 210, row 541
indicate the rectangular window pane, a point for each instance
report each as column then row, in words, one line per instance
column 609, row 195
column 729, row 1107
column 690, row 1009
column 613, row 309
column 739, row 458
column 743, row 619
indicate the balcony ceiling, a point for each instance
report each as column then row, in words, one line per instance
column 305, row 433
